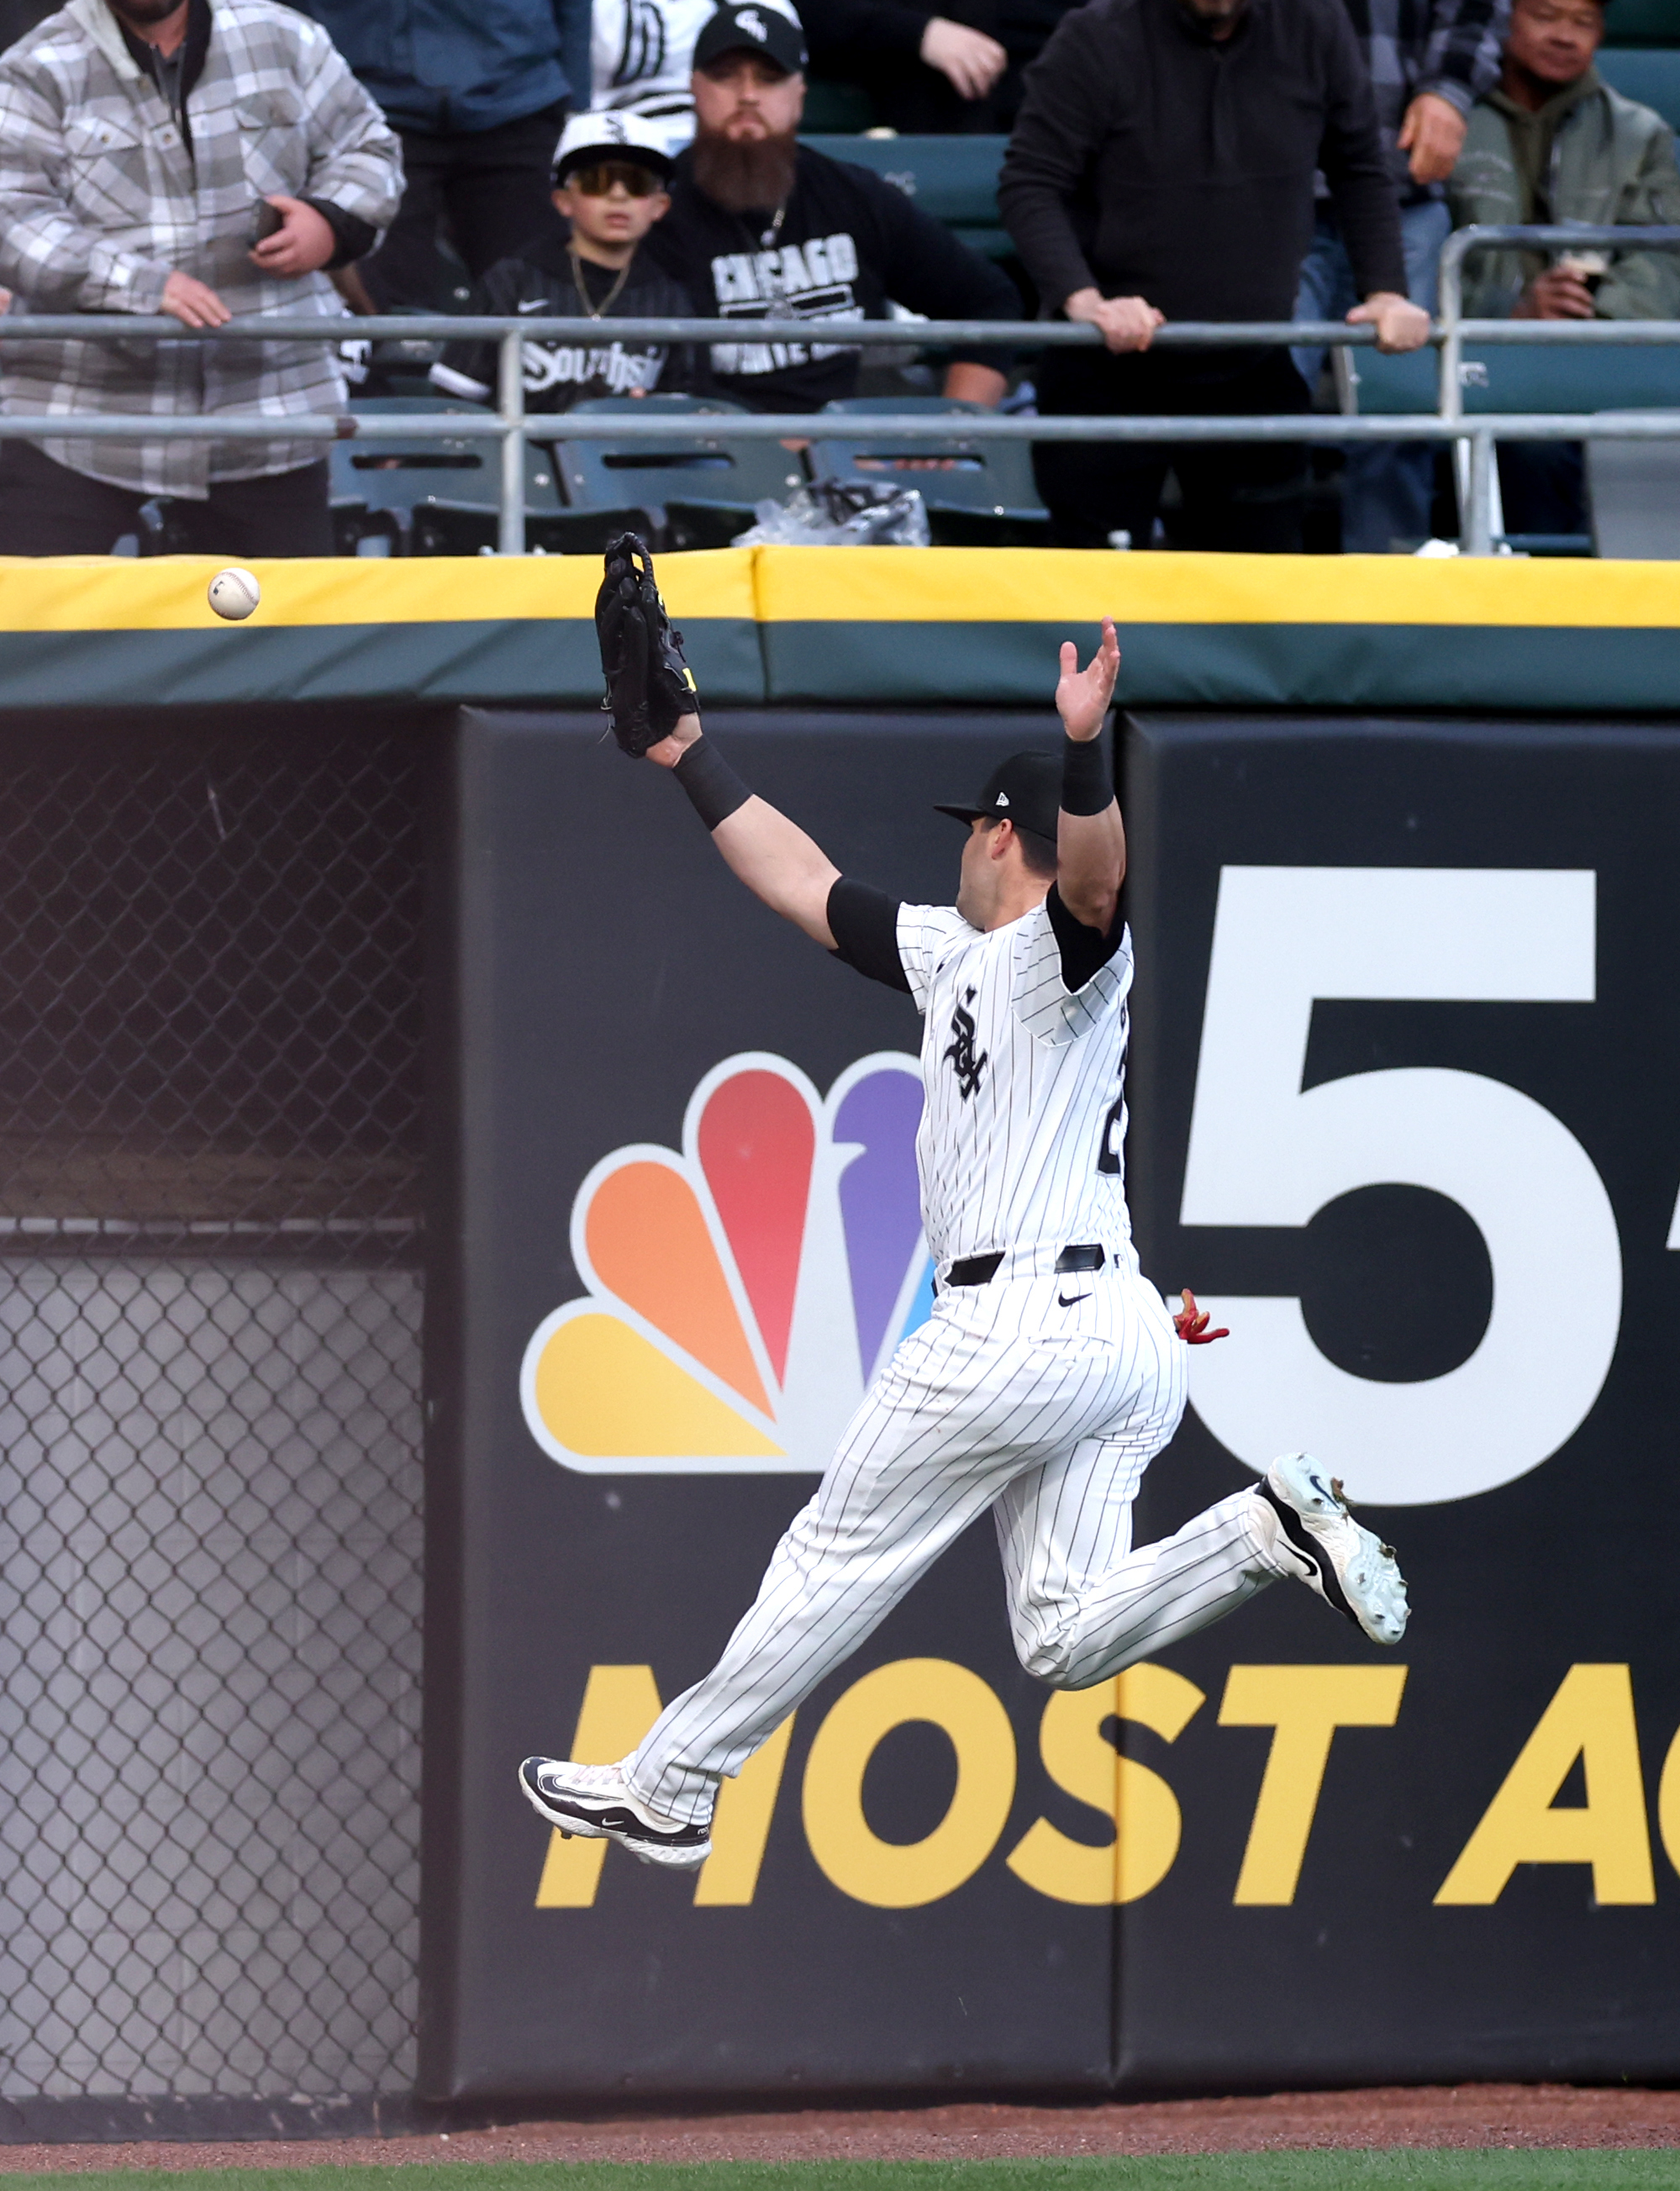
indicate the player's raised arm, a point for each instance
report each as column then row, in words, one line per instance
column 655, row 713
column 1090, row 844
column 772, row 856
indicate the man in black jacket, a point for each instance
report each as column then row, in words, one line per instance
column 763, row 227
column 1162, row 169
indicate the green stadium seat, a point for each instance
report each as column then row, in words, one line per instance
column 1650, row 74
column 445, row 528
column 982, row 494
column 1634, row 490
column 699, row 487
column 1642, row 23
column 835, row 109
column 955, row 179
column 406, row 492
column 1639, row 377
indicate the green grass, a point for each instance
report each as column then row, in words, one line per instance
column 1392, row 2169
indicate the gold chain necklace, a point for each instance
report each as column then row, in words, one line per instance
column 592, row 312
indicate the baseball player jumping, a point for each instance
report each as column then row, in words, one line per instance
column 1049, row 1373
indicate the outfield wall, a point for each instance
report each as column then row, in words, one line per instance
column 1400, row 841
column 1400, row 1117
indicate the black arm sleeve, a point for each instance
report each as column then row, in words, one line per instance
column 1085, row 951
column 864, row 925
column 353, row 238
column 1057, row 135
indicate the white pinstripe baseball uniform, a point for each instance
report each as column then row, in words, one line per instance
column 1041, row 1396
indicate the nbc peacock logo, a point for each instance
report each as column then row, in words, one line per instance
column 742, row 1293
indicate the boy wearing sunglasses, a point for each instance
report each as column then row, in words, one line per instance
column 609, row 188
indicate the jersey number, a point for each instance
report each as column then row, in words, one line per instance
column 1263, row 1151
column 1108, row 1151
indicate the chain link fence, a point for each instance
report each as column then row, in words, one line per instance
column 210, row 1299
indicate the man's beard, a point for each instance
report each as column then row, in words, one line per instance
column 142, row 14
column 750, row 177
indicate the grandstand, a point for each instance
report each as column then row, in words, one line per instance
column 439, row 489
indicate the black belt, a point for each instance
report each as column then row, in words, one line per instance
column 981, row 1270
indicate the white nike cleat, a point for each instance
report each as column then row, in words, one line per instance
column 1318, row 1540
column 595, row 1802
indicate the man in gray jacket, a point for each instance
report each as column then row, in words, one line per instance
column 142, row 143
column 1552, row 143
column 1430, row 60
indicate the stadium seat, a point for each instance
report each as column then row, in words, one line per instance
column 833, row 108
column 1633, row 488
column 1649, row 74
column 425, row 497
column 955, row 179
column 982, row 494
column 1531, row 378
column 698, row 489
column 1642, row 23
column 445, row 528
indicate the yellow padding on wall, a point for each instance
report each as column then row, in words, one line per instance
column 1048, row 585
column 868, row 585
column 166, row 593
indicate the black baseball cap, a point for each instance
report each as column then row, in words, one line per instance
column 755, row 27
column 1026, row 789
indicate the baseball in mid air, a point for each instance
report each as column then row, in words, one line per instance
column 234, row 594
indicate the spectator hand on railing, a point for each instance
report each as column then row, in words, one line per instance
column 1127, row 323
column 1400, row 324
column 1433, row 134
column 972, row 60
column 304, row 242
column 193, row 303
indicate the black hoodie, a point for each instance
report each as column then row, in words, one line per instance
column 1154, row 161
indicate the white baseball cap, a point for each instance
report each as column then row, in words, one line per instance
column 608, row 134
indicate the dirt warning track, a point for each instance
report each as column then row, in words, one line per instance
column 1463, row 2115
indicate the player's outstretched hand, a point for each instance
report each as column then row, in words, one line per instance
column 668, row 752
column 1083, row 696
column 1191, row 1323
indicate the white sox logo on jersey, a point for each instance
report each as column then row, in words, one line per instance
column 968, row 1067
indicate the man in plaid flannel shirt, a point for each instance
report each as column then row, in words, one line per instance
column 1430, row 61
column 138, row 139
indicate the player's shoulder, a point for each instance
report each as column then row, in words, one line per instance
column 936, row 930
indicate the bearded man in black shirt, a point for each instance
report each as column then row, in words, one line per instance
column 1163, row 168
column 762, row 227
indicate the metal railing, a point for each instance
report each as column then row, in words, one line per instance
column 511, row 425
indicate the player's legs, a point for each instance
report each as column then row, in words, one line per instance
column 1083, row 1601
column 961, row 1410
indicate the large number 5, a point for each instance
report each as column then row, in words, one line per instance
column 1262, row 1152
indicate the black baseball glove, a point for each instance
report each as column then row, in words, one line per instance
column 649, row 686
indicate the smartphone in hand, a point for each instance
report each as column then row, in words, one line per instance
column 266, row 221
